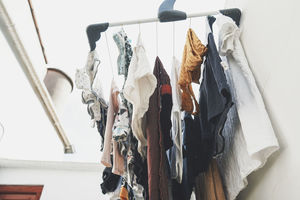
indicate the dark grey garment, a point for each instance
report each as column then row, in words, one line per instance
column 191, row 157
column 101, row 125
column 215, row 101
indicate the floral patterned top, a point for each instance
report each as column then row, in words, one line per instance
column 124, row 59
column 87, row 79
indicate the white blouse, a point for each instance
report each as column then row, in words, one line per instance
column 138, row 88
column 87, row 79
column 250, row 136
column 176, row 157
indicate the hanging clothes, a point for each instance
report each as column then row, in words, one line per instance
column 92, row 94
column 248, row 128
column 110, row 181
column 157, row 128
column 192, row 156
column 87, row 80
column 124, row 193
column 138, row 192
column 201, row 131
column 215, row 101
column 141, row 127
column 115, row 195
column 192, row 58
column 138, row 88
column 122, row 127
column 125, row 52
column 124, row 59
column 118, row 160
column 208, row 185
column 136, row 171
column 140, row 170
column 175, row 153
column 101, row 125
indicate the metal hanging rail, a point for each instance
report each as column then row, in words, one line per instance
column 155, row 19
column 94, row 30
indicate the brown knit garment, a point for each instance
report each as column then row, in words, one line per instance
column 208, row 185
column 192, row 58
column 156, row 156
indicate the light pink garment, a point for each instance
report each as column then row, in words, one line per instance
column 118, row 166
column 109, row 144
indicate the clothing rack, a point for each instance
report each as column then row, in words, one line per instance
column 165, row 14
column 156, row 19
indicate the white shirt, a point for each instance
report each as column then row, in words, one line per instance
column 87, row 79
column 139, row 86
column 176, row 158
column 250, row 138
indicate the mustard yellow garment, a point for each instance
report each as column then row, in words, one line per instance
column 192, row 58
column 124, row 193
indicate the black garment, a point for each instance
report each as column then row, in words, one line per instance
column 215, row 102
column 165, row 118
column 200, row 134
column 192, row 154
column 193, row 145
column 178, row 191
column 110, row 181
column 139, row 167
column 101, row 125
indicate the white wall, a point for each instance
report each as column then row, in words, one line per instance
column 271, row 41
column 70, row 181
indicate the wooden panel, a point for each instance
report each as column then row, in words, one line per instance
column 18, row 197
column 32, row 192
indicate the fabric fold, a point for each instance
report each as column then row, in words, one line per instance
column 110, row 145
column 175, row 154
column 156, row 127
column 139, row 86
column 192, row 58
column 249, row 135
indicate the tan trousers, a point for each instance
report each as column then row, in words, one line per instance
column 209, row 185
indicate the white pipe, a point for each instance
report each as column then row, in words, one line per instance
column 8, row 29
column 203, row 14
column 149, row 20
column 141, row 21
